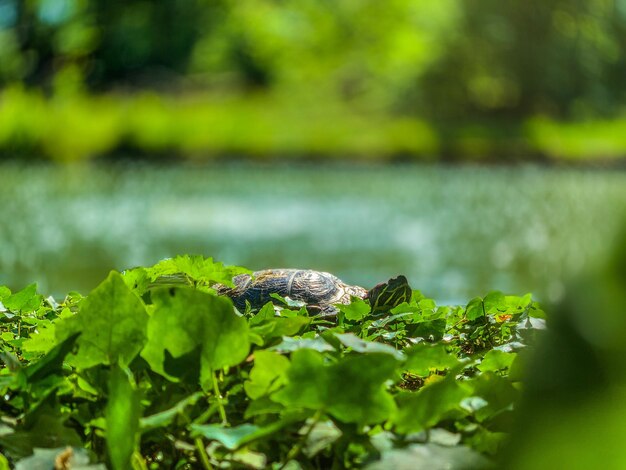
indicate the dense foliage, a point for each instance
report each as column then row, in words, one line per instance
column 153, row 370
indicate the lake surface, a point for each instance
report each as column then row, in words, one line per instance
column 456, row 232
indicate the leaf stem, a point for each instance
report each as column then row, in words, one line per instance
column 137, row 461
column 204, row 458
column 295, row 450
column 218, row 396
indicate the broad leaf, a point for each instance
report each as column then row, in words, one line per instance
column 352, row 389
column 424, row 357
column 356, row 310
column 26, row 300
column 112, row 322
column 496, row 360
column 359, row 345
column 184, row 320
column 267, row 375
column 425, row 408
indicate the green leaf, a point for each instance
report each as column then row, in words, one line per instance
column 42, row 341
column 431, row 330
column 495, row 302
column 237, row 436
column 352, row 389
column 122, row 418
column 51, row 363
column 231, row 438
column 308, row 381
column 278, row 327
column 498, row 391
column 267, row 375
column 356, row 310
column 423, row 409
column 43, row 426
column 137, row 280
column 475, row 309
column 184, row 320
column 4, row 292
column 496, row 360
column 25, row 300
column 293, row 344
column 357, row 344
column 424, row 357
column 165, row 418
column 322, row 436
column 267, row 312
column 197, row 268
column 112, row 322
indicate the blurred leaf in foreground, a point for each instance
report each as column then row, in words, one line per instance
column 573, row 413
column 122, row 418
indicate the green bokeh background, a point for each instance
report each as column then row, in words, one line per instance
column 401, row 79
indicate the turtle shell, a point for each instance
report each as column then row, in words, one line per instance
column 315, row 288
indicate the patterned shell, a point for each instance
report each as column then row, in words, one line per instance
column 315, row 288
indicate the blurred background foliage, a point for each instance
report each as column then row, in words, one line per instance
column 365, row 79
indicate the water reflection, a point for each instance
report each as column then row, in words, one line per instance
column 455, row 232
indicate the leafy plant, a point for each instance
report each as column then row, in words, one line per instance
column 154, row 370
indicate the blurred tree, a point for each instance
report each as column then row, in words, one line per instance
column 443, row 59
column 524, row 57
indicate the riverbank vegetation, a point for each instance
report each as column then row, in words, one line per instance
column 203, row 127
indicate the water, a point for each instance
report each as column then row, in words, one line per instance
column 456, row 232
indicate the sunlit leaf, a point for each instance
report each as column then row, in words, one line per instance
column 496, row 360
column 112, row 324
column 424, row 358
column 356, row 310
column 184, row 320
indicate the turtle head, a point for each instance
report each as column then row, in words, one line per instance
column 386, row 295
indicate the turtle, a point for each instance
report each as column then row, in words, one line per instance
column 317, row 289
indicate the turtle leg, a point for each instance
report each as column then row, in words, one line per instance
column 384, row 296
